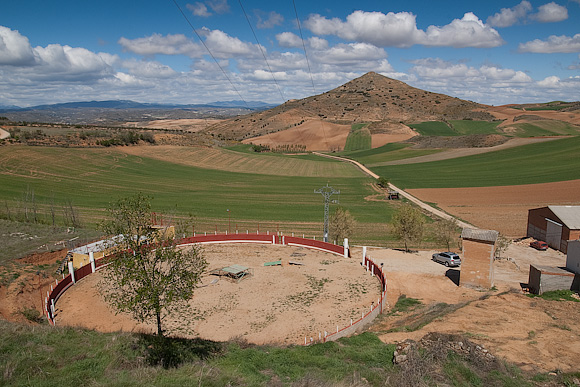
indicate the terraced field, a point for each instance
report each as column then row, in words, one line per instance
column 244, row 162
column 92, row 178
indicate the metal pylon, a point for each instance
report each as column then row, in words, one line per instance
column 326, row 192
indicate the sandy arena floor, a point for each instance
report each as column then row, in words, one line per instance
column 279, row 304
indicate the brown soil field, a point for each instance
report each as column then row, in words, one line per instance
column 508, row 114
column 279, row 304
column 503, row 208
column 315, row 134
column 187, row 124
column 319, row 135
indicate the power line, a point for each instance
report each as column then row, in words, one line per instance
column 327, row 192
column 210, row 53
column 262, row 51
column 309, row 69
column 304, row 46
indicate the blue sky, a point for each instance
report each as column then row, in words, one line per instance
column 493, row 52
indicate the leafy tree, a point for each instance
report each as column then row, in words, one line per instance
column 383, row 182
column 341, row 224
column 408, row 224
column 149, row 276
column 446, row 231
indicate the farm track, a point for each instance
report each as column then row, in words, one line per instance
column 461, row 152
column 406, row 195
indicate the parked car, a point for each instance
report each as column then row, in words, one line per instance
column 447, row 258
column 539, row 245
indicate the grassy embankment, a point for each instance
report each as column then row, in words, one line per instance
column 48, row 356
column 534, row 163
column 92, row 178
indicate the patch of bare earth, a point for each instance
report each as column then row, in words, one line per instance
column 315, row 134
column 279, row 304
column 509, row 114
column 536, row 334
column 186, row 124
column 504, row 208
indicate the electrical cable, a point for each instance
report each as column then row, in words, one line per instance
column 262, row 51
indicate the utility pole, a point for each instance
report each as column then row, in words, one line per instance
column 326, row 192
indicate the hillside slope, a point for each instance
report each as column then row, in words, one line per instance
column 373, row 98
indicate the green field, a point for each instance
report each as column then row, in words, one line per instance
column 92, row 178
column 455, row 128
column 535, row 163
column 386, row 153
column 545, row 128
column 434, row 128
column 359, row 138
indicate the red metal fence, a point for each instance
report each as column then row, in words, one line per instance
column 66, row 282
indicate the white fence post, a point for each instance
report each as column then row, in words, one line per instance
column 92, row 261
column 364, row 255
column 71, row 270
column 345, row 247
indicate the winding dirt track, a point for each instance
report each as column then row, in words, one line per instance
column 407, row 195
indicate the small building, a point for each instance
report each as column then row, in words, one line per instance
column 573, row 256
column 478, row 249
column 555, row 225
column 392, row 195
column 546, row 278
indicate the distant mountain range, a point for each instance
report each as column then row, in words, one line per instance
column 125, row 104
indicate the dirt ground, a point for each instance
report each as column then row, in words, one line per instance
column 283, row 304
column 279, row 304
column 319, row 135
column 504, row 209
column 535, row 334
column 508, row 114
column 188, row 124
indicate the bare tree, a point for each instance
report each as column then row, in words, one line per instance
column 341, row 224
column 501, row 245
column 446, row 231
column 408, row 224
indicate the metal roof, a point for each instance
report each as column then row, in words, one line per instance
column 569, row 215
column 479, row 234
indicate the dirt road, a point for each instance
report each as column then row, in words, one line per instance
column 406, row 195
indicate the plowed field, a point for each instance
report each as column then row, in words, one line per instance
column 504, row 208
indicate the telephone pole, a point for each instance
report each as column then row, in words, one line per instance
column 326, row 192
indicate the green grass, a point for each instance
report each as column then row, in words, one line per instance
column 556, row 295
column 359, row 138
column 467, row 127
column 545, row 128
column 455, row 128
column 434, row 128
column 47, row 356
column 534, row 163
column 386, row 153
column 92, row 178
column 404, row 304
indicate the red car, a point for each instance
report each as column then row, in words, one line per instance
column 539, row 245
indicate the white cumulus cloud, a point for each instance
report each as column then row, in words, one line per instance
column 199, row 9
column 554, row 44
column 15, row 49
column 156, row 44
column 400, row 30
column 550, row 13
column 509, row 16
column 468, row 31
column 274, row 19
